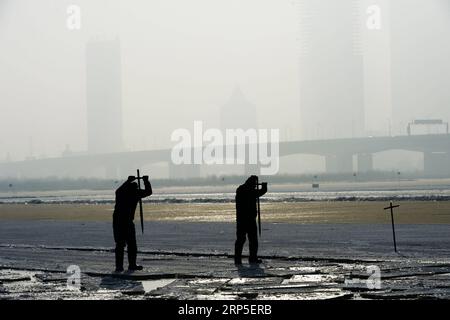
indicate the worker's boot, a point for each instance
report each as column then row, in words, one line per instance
column 119, row 258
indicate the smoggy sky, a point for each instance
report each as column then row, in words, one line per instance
column 180, row 62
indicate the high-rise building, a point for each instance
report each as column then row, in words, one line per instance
column 331, row 69
column 104, row 96
column 376, row 46
column 239, row 113
column 420, row 45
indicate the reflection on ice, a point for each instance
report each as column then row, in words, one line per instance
column 150, row 285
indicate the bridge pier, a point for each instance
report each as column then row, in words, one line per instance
column 339, row 163
column 436, row 164
column 364, row 162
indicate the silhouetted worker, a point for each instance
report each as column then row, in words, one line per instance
column 127, row 198
column 246, row 213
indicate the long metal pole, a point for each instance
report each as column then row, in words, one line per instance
column 259, row 209
column 140, row 201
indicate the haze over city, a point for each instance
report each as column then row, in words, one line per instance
column 312, row 69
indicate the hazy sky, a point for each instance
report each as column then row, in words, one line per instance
column 180, row 62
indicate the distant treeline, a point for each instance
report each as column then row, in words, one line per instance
column 55, row 183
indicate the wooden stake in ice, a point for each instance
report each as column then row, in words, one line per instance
column 392, row 219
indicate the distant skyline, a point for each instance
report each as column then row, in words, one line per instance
column 181, row 61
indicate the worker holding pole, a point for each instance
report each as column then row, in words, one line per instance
column 247, row 210
column 127, row 197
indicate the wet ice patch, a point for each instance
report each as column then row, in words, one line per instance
column 303, row 269
column 151, row 285
column 207, row 281
column 309, row 278
column 217, row 296
column 124, row 286
column 9, row 276
column 326, row 294
column 237, row 281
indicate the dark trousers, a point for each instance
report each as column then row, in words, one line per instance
column 246, row 229
column 125, row 235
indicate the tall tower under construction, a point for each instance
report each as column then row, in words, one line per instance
column 331, row 69
column 104, row 96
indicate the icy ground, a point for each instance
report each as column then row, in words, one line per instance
column 194, row 261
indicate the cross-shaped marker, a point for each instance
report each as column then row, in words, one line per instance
column 392, row 218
